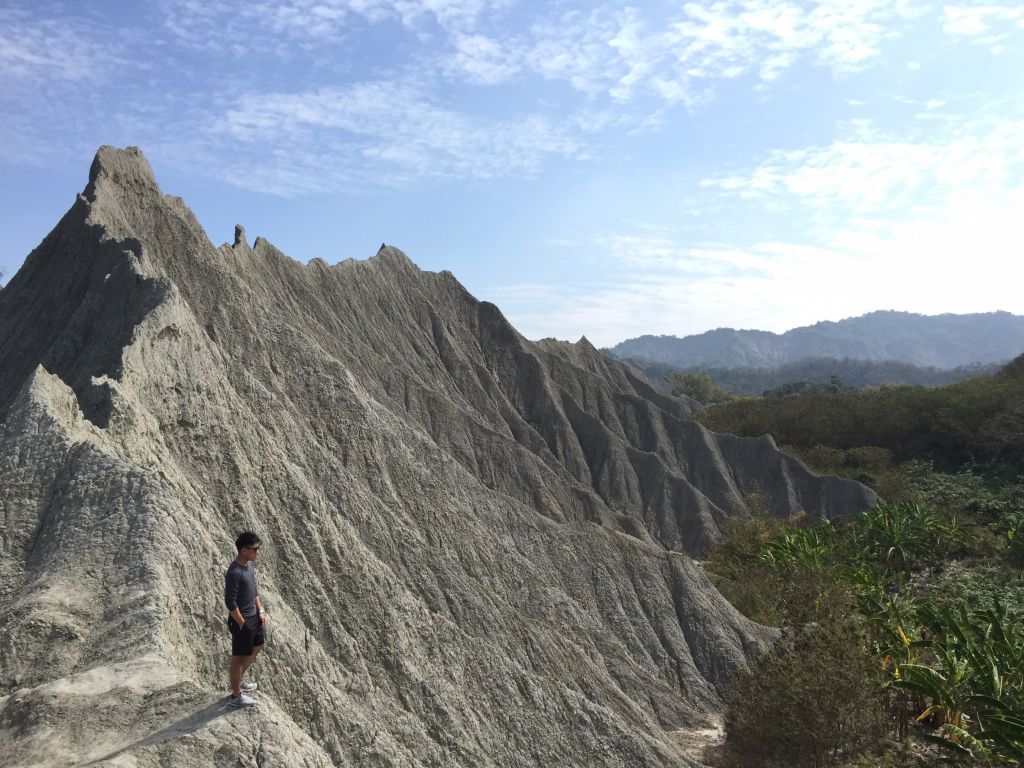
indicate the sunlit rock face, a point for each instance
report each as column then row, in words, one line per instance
column 477, row 548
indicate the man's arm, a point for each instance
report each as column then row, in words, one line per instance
column 259, row 607
column 231, row 580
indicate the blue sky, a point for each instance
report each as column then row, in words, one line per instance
column 592, row 168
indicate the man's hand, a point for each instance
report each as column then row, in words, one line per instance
column 263, row 617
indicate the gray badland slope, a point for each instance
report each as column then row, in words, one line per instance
column 476, row 545
column 941, row 341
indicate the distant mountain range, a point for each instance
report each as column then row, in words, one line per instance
column 940, row 341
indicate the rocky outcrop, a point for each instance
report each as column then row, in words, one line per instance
column 478, row 547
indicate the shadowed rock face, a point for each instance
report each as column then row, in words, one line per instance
column 477, row 547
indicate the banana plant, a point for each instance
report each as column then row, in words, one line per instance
column 805, row 548
column 897, row 534
column 975, row 682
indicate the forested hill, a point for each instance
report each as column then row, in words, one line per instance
column 855, row 374
column 942, row 341
column 976, row 421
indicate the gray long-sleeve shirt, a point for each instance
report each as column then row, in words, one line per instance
column 240, row 588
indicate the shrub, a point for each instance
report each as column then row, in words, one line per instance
column 735, row 569
column 814, row 699
column 740, row 545
column 755, row 595
column 964, row 493
column 780, row 572
column 979, row 585
column 699, row 387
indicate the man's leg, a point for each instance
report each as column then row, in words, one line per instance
column 258, row 639
column 247, row 662
column 237, row 670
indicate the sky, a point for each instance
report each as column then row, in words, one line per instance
column 597, row 169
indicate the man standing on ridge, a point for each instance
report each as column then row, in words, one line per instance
column 246, row 617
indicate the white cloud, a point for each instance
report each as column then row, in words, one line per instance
column 623, row 53
column 876, row 173
column 275, row 28
column 280, row 25
column 576, row 48
column 658, row 250
column 450, row 14
column 483, row 60
column 389, row 133
column 925, row 224
column 37, row 49
column 988, row 23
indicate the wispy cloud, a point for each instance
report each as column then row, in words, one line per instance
column 879, row 173
column 987, row 24
column 450, row 14
column 391, row 132
column 625, row 53
column 659, row 250
column 622, row 52
column 629, row 66
column 36, row 49
column 274, row 28
column 483, row 60
column 240, row 28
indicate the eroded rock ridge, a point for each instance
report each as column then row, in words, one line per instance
column 478, row 547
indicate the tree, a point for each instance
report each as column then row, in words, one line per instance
column 813, row 699
column 695, row 385
column 698, row 386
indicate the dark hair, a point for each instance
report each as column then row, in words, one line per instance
column 246, row 539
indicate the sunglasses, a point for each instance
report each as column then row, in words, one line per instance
column 254, row 549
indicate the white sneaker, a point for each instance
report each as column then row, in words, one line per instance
column 241, row 701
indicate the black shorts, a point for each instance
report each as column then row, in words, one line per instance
column 245, row 639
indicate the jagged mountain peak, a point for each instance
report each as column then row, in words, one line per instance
column 240, row 239
column 113, row 168
column 389, row 255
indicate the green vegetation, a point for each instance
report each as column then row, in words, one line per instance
column 800, row 707
column 977, row 421
column 833, row 386
column 946, row 653
column 926, row 586
column 856, row 374
column 699, row 387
